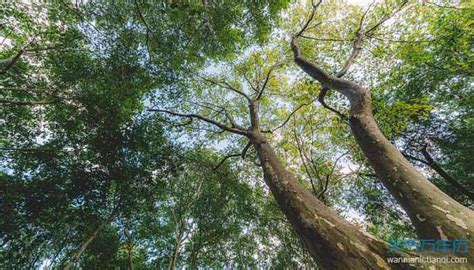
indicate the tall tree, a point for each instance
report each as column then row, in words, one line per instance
column 332, row 241
column 434, row 214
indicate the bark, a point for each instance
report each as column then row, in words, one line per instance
column 332, row 241
column 434, row 214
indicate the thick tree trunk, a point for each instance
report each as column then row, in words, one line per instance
column 434, row 214
column 332, row 241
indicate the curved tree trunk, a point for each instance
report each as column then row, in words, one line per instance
column 332, row 241
column 434, row 214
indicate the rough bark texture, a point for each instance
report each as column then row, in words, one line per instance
column 331, row 240
column 434, row 214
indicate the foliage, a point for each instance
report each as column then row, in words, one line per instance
column 80, row 151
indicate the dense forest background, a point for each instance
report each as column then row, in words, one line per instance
column 152, row 135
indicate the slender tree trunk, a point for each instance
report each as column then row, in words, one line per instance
column 174, row 255
column 434, row 214
column 332, row 241
column 435, row 166
column 84, row 245
column 129, row 248
column 194, row 256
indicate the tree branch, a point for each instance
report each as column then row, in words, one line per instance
column 11, row 61
column 435, row 166
column 326, row 39
column 241, row 154
column 311, row 17
column 227, row 85
column 321, row 100
column 205, row 119
column 289, row 117
column 267, row 78
column 147, row 30
column 385, row 18
column 444, row 6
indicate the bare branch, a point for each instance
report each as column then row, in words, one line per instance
column 267, row 78
column 147, row 29
column 231, row 120
column 244, row 151
column 224, row 159
column 302, row 157
column 326, row 79
column 321, row 96
column 11, row 61
column 444, row 6
column 242, row 155
column 311, row 17
column 250, row 83
column 415, row 158
column 227, row 85
column 362, row 18
column 356, row 48
column 357, row 45
column 289, row 117
column 385, row 18
column 205, row 119
column 451, row 180
column 403, row 41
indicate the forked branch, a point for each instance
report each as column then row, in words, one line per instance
column 241, row 154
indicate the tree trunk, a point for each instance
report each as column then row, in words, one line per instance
column 84, row 245
column 434, row 214
column 174, row 255
column 331, row 241
column 194, row 257
column 129, row 248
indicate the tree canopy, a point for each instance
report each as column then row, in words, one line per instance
column 235, row 134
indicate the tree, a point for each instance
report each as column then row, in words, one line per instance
column 90, row 178
column 331, row 241
column 434, row 214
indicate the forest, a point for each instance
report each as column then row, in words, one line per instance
column 253, row 134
